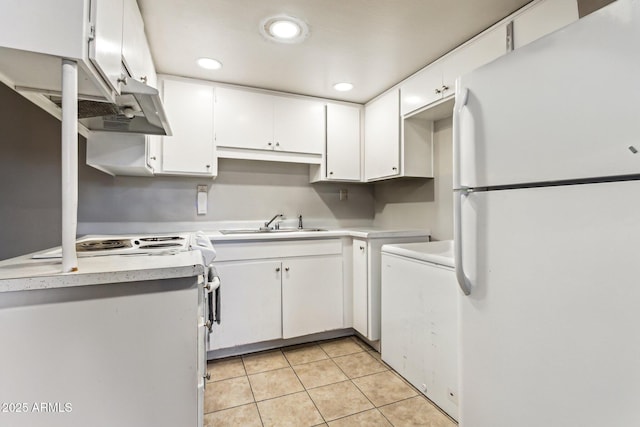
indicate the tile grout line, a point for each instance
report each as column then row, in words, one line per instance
column 307, row 391
column 252, row 393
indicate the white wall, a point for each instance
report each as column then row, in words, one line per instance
column 421, row 203
column 243, row 191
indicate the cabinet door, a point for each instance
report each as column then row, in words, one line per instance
column 243, row 119
column 105, row 48
column 422, row 89
column 541, row 19
column 311, row 295
column 382, row 137
column 190, row 150
column 250, row 303
column 343, row 142
column 483, row 50
column 360, row 287
column 135, row 49
column 299, row 125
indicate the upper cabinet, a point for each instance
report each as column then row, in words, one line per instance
column 382, row 137
column 190, row 150
column 89, row 32
column 263, row 126
column 542, row 18
column 437, row 81
column 105, row 29
column 136, row 55
column 342, row 156
column 394, row 147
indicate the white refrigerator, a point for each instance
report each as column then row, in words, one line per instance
column 547, row 229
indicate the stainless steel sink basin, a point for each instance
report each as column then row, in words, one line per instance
column 258, row 231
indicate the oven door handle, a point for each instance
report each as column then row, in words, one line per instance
column 213, row 288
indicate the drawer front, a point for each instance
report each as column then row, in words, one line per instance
column 232, row 251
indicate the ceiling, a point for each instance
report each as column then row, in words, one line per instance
column 373, row 44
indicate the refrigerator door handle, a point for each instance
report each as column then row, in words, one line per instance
column 463, row 280
column 462, row 96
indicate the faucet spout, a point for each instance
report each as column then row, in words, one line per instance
column 268, row 223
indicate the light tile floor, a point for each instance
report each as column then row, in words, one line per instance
column 337, row 383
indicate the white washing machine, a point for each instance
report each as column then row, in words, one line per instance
column 419, row 336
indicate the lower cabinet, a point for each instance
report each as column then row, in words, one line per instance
column 367, row 283
column 250, row 301
column 272, row 290
column 311, row 295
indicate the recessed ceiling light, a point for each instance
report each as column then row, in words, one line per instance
column 284, row 29
column 343, row 87
column 209, row 64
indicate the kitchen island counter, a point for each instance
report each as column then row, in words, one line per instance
column 25, row 273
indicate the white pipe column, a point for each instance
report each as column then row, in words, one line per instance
column 69, row 165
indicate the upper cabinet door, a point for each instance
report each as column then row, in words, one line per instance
column 299, row 125
column 135, row 49
column 543, row 18
column 422, row 89
column 243, row 119
column 190, row 150
column 105, row 48
column 484, row 49
column 382, row 137
column 343, row 142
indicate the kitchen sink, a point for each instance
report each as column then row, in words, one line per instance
column 258, row 231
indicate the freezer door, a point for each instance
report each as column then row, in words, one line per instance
column 549, row 332
column 563, row 107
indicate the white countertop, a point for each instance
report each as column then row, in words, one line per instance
column 358, row 232
column 25, row 273
column 434, row 252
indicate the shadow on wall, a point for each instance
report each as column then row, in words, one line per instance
column 406, row 190
column 30, row 178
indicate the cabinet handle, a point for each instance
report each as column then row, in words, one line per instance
column 445, row 88
column 143, row 79
column 394, row 168
column 208, row 166
column 286, row 269
column 277, row 144
column 153, row 157
column 208, row 376
column 362, row 248
column 277, row 269
column 269, row 144
column 330, row 173
column 438, row 91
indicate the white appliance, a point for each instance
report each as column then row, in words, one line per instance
column 547, row 179
column 139, row 331
column 419, row 334
column 104, row 245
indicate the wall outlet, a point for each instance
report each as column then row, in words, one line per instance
column 344, row 194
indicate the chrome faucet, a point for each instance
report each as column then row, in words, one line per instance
column 268, row 223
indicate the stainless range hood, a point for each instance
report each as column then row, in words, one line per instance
column 138, row 109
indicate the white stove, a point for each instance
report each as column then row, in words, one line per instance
column 102, row 245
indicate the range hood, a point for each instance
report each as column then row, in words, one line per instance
column 138, row 109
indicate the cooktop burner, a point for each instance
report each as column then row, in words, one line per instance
column 92, row 246
column 161, row 239
column 102, row 245
column 160, row 245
